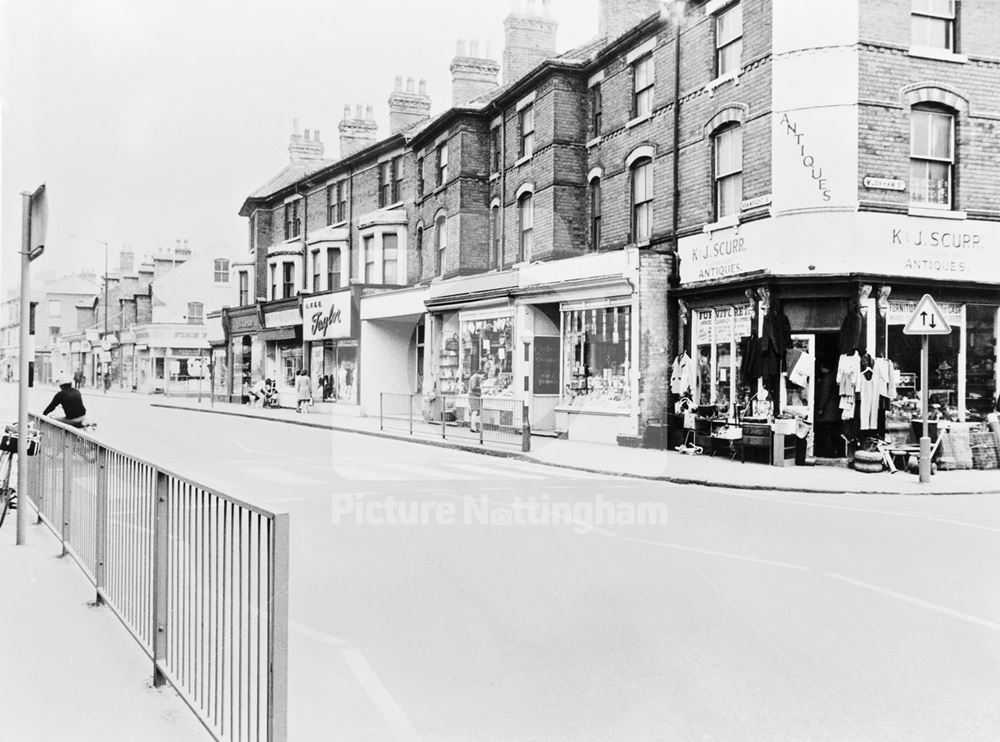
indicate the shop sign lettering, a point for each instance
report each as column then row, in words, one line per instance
column 808, row 160
column 901, row 311
column 327, row 317
column 719, row 251
column 248, row 322
column 946, row 240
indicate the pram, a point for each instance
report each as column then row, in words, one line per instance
column 271, row 395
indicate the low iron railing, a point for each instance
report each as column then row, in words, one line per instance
column 498, row 420
column 200, row 579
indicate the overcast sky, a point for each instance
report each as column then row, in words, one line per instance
column 152, row 120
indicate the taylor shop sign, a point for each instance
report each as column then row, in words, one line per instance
column 327, row 317
column 846, row 242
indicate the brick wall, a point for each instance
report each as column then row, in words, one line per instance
column 887, row 70
column 654, row 340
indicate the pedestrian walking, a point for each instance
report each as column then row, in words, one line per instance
column 303, row 391
column 475, row 400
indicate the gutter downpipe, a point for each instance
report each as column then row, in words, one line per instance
column 677, row 16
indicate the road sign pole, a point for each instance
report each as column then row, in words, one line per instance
column 925, row 439
column 22, row 379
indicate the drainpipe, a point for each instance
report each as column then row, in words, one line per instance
column 305, row 273
column 677, row 15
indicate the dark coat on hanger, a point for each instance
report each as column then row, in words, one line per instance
column 852, row 336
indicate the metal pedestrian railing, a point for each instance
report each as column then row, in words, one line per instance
column 200, row 579
column 482, row 420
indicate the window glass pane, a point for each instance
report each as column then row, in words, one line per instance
column 729, row 152
column 728, row 26
column 642, row 222
column 980, row 358
column 390, row 250
column 941, row 139
column 920, row 122
column 643, row 73
column 597, row 358
column 944, row 8
column 729, row 57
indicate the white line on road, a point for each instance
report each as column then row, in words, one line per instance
column 319, row 636
column 492, row 472
column 917, row 601
column 426, row 472
column 364, row 474
column 712, row 552
column 280, row 476
column 383, row 701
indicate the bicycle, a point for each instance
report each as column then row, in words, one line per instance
column 8, row 449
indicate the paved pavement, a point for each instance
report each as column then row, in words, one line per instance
column 68, row 670
column 668, row 466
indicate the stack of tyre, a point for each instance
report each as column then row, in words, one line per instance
column 868, row 461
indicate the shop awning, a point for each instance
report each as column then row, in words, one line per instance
column 276, row 334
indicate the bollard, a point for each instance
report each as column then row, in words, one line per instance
column 411, row 413
column 381, row 419
column 443, row 405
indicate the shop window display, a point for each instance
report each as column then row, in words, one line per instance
column 980, row 361
column 718, row 338
column 291, row 362
column 598, row 359
column 488, row 344
column 904, row 351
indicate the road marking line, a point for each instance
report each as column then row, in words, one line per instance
column 319, row 636
column 493, row 472
column 383, row 701
column 917, row 601
column 362, row 474
column 962, row 523
column 427, row 472
column 712, row 552
column 280, row 476
column 392, row 714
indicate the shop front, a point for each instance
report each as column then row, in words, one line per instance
column 171, row 359
column 243, row 360
column 331, row 331
column 809, row 318
column 394, row 355
column 284, row 355
column 564, row 336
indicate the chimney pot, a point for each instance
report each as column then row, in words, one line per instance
column 460, row 48
column 359, row 112
column 488, row 54
column 307, row 135
column 547, row 8
column 399, row 83
column 369, row 113
column 474, row 48
column 409, row 85
column 423, row 86
column 347, row 112
column 295, row 126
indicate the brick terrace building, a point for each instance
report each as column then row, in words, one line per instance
column 605, row 209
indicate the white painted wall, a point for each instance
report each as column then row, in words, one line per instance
column 387, row 361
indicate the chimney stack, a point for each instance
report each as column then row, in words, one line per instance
column 407, row 108
column 126, row 261
column 529, row 38
column 618, row 16
column 358, row 132
column 302, row 148
column 472, row 75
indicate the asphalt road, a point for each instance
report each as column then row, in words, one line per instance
column 750, row 616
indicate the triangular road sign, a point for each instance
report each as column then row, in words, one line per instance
column 927, row 319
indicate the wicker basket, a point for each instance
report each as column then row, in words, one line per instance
column 984, row 450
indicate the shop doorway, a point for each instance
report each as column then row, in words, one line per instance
column 825, row 407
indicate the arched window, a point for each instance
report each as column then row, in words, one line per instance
column 727, row 145
column 441, row 235
column 526, row 224
column 420, row 252
column 595, row 214
column 932, row 155
column 495, row 247
column 642, row 200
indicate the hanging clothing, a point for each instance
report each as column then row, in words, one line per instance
column 775, row 339
column 800, row 367
column 848, row 383
column 870, row 395
column 886, row 378
column 852, row 334
column 682, row 375
column 750, row 357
